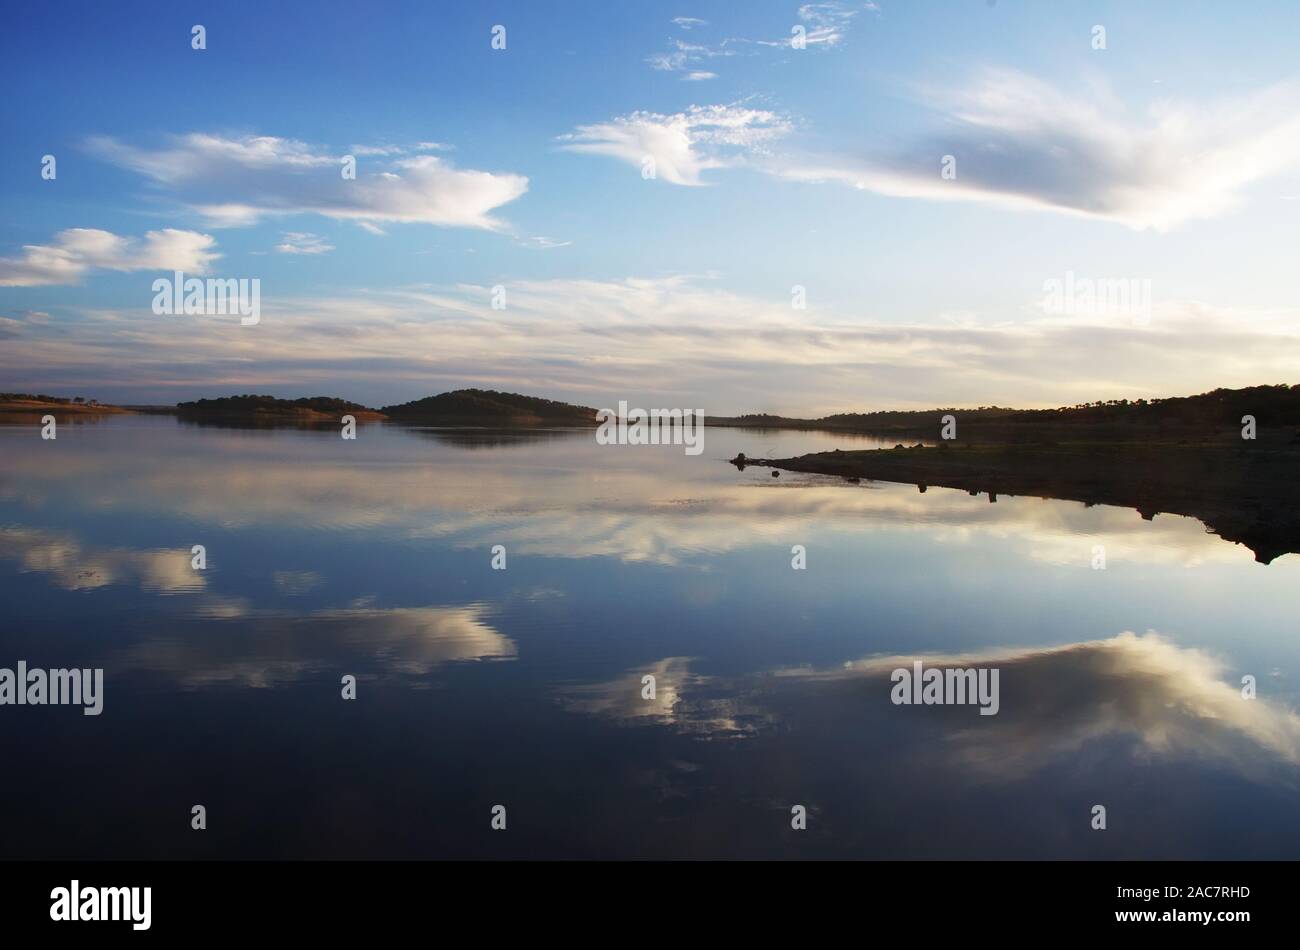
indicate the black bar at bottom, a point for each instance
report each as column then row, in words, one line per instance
column 381, row 898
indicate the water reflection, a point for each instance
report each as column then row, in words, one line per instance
column 572, row 499
column 72, row 566
column 372, row 558
column 1143, row 696
column 488, row 438
column 271, row 649
column 671, row 696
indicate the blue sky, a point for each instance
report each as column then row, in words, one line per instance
column 1170, row 157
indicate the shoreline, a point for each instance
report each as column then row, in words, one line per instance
column 36, row 407
column 1247, row 492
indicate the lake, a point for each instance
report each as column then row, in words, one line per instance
column 525, row 687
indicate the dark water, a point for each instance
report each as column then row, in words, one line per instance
column 523, row 687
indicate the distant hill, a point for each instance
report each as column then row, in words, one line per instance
column 1270, row 405
column 306, row 409
column 489, row 407
column 1274, row 407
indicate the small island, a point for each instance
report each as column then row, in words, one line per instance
column 489, row 408
column 461, row 408
column 269, row 410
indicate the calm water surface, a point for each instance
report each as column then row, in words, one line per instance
column 523, row 687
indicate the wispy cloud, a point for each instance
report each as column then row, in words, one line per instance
column 1019, row 142
column 682, row 145
column 684, row 57
column 78, row 251
column 237, row 181
column 818, row 26
column 387, row 150
column 825, row 24
column 302, row 242
column 541, row 243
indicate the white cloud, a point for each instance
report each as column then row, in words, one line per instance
column 682, row 145
column 699, row 76
column 689, row 342
column 689, row 22
column 236, row 181
column 77, row 251
column 1018, row 141
column 302, row 242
